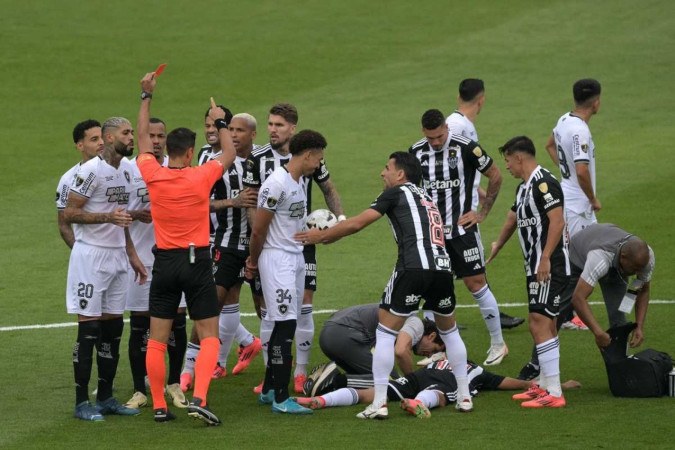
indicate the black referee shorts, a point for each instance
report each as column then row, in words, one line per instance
column 173, row 275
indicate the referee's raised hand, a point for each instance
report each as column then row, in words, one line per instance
column 148, row 82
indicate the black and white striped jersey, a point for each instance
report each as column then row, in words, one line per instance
column 205, row 154
column 417, row 226
column 265, row 160
column 451, row 177
column 233, row 230
column 534, row 199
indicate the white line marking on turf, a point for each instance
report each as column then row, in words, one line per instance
column 320, row 311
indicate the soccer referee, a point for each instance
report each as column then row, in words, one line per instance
column 180, row 196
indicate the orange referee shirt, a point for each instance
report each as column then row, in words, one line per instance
column 179, row 200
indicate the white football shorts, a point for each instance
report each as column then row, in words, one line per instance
column 578, row 221
column 282, row 275
column 98, row 280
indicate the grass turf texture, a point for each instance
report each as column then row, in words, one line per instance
column 362, row 74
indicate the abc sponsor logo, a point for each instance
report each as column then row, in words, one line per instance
column 444, row 303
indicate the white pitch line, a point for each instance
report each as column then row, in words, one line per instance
column 320, row 311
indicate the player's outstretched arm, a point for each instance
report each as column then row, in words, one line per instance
column 342, row 229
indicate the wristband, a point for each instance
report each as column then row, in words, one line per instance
column 220, row 124
column 145, row 95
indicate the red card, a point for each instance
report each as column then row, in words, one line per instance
column 160, row 69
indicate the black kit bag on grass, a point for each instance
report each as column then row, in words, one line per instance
column 644, row 374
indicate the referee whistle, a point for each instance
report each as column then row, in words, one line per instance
column 191, row 252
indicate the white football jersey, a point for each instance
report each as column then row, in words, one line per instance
column 286, row 198
column 459, row 124
column 142, row 234
column 574, row 144
column 106, row 189
column 64, row 187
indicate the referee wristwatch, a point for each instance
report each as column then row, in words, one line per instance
column 145, row 95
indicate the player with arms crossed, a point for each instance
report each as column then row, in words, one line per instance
column 422, row 271
column 97, row 271
column 279, row 259
column 180, row 205
column 537, row 216
column 451, row 167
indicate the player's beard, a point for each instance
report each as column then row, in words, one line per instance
column 123, row 149
column 279, row 144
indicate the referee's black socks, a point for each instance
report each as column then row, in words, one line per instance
column 138, row 345
column 88, row 334
column 281, row 358
column 108, row 355
column 176, row 348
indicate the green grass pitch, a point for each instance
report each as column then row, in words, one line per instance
column 362, row 73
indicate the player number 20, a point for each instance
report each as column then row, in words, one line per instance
column 85, row 290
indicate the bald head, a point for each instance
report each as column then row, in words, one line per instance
column 634, row 255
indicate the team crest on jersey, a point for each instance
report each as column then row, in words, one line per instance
column 452, row 157
column 283, row 309
column 543, row 187
column 78, row 181
column 83, row 303
column 584, row 148
column 127, row 176
column 271, row 202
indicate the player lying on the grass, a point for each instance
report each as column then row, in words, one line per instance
column 348, row 338
column 426, row 388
